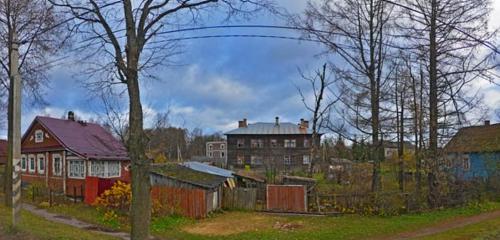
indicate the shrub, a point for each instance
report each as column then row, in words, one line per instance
column 118, row 197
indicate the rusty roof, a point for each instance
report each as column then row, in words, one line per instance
column 260, row 128
column 88, row 140
column 485, row 138
column 3, row 151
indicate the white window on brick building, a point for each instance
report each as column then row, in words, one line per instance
column 287, row 160
column 306, row 159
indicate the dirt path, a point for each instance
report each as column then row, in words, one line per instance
column 445, row 226
column 73, row 222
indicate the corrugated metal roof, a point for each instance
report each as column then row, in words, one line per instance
column 188, row 175
column 86, row 139
column 270, row 129
column 201, row 167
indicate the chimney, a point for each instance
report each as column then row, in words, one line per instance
column 487, row 123
column 277, row 121
column 71, row 116
column 243, row 123
column 304, row 124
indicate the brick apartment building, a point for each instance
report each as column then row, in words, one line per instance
column 282, row 146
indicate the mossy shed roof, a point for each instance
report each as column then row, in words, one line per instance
column 187, row 175
column 484, row 138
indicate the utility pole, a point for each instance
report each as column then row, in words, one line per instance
column 14, row 131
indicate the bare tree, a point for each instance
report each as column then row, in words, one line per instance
column 356, row 30
column 127, row 37
column 31, row 33
column 450, row 36
column 323, row 100
column 114, row 117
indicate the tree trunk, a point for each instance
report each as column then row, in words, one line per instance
column 433, row 108
column 401, row 143
column 141, row 199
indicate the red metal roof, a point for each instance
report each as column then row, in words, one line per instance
column 3, row 151
column 88, row 140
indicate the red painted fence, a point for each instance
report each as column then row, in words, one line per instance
column 286, row 198
column 188, row 202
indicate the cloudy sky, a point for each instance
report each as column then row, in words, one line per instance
column 218, row 81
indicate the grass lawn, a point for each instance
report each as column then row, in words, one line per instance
column 250, row 225
column 34, row 227
column 487, row 230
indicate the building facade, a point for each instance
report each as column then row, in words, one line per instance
column 61, row 153
column 3, row 152
column 217, row 152
column 281, row 146
column 474, row 152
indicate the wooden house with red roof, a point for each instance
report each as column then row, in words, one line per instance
column 3, row 152
column 62, row 153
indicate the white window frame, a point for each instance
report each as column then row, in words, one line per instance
column 37, row 132
column 54, row 156
column 255, row 160
column 240, row 159
column 293, row 143
column 306, row 159
column 24, row 160
column 287, row 160
column 38, row 158
column 306, row 143
column 70, row 161
column 466, row 162
column 31, row 157
column 104, row 171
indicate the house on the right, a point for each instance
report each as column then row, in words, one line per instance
column 474, row 152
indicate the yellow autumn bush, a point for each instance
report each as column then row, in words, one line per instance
column 118, row 197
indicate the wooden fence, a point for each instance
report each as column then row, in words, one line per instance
column 187, row 202
column 240, row 198
column 287, row 198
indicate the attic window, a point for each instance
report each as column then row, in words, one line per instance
column 38, row 136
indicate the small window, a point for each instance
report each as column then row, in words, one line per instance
column 293, row 143
column 306, row 159
column 209, row 146
column 210, row 154
column 466, row 162
column 41, row 164
column 240, row 159
column 274, row 143
column 241, row 143
column 31, row 164
column 287, row 160
column 255, row 160
column 222, row 146
column 76, row 169
column 222, row 154
column 56, row 165
column 287, row 143
column 24, row 164
column 306, row 143
column 38, row 136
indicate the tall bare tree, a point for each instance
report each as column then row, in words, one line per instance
column 324, row 99
column 31, row 33
column 450, row 35
column 356, row 31
column 127, row 37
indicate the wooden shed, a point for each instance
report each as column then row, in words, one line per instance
column 192, row 193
